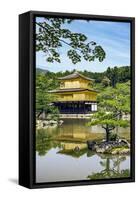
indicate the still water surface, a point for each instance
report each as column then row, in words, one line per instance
column 62, row 154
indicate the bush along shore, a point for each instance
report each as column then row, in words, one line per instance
column 120, row 146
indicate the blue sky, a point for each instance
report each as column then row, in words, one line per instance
column 114, row 37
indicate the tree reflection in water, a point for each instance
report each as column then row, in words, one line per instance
column 44, row 142
column 111, row 165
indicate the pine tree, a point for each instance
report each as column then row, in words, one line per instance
column 113, row 104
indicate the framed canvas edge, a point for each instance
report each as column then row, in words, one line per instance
column 32, row 183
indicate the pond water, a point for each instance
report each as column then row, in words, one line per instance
column 62, row 154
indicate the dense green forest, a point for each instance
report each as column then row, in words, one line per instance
column 113, row 75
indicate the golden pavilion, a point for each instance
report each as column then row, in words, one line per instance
column 75, row 95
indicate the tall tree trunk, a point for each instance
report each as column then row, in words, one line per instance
column 107, row 133
column 108, row 130
column 107, row 136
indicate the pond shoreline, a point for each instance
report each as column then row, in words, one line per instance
column 120, row 146
column 75, row 116
column 42, row 124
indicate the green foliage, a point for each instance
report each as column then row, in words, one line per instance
column 54, row 113
column 112, row 74
column 118, row 75
column 110, row 174
column 105, row 81
column 115, row 99
column 43, row 97
column 51, row 35
column 113, row 137
column 43, row 142
column 113, row 103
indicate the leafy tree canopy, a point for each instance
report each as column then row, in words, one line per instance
column 51, row 35
column 113, row 103
column 106, row 81
column 43, row 97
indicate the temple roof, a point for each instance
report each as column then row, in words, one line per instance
column 75, row 75
column 72, row 90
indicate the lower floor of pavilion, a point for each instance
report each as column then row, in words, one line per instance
column 76, row 107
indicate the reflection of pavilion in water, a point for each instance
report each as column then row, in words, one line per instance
column 73, row 146
column 73, row 149
column 78, row 130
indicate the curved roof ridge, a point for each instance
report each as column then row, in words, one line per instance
column 76, row 74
